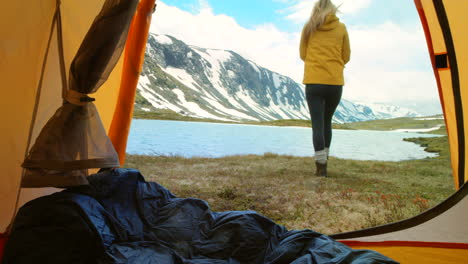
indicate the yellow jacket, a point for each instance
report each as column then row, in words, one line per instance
column 325, row 53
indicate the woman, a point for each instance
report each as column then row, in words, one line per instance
column 325, row 50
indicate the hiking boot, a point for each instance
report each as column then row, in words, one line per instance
column 321, row 169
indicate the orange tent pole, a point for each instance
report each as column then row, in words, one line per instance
column 133, row 62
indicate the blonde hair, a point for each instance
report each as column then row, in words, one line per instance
column 319, row 13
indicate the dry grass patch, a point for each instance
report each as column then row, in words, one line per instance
column 357, row 194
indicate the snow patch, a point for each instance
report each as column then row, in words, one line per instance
column 429, row 118
column 221, row 56
column 216, row 58
column 224, row 110
column 182, row 76
column 195, row 108
column 389, row 111
column 276, row 80
column 144, row 80
column 231, row 74
column 254, row 66
column 418, row 129
column 163, row 39
column 244, row 96
column 156, row 100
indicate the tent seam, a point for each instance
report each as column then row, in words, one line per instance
column 449, row 44
column 35, row 110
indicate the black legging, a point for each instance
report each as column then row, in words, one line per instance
column 322, row 100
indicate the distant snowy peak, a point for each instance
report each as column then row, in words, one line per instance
column 163, row 39
column 221, row 84
column 390, row 111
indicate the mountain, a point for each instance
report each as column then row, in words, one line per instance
column 371, row 111
column 428, row 107
column 222, row 85
column 385, row 111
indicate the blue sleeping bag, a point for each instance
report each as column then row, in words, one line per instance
column 121, row 218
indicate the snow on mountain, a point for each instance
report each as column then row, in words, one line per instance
column 222, row 85
column 384, row 111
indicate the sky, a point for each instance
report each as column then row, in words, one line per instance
column 389, row 56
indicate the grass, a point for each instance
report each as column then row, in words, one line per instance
column 163, row 114
column 284, row 122
column 395, row 123
column 382, row 124
column 357, row 194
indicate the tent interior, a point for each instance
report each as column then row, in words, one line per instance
column 70, row 71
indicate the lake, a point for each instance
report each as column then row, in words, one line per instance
column 199, row 139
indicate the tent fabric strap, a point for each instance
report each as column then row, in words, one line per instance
column 61, row 53
column 78, row 98
column 70, row 165
column 60, row 181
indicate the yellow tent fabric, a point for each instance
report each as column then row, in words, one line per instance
column 74, row 139
column 444, row 25
column 439, row 235
column 27, row 46
column 420, row 254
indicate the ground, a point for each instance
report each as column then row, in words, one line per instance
column 357, row 194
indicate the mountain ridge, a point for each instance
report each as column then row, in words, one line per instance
column 222, row 85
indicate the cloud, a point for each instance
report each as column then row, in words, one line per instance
column 266, row 45
column 299, row 10
column 389, row 62
column 203, row 5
